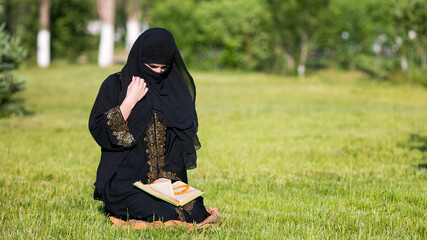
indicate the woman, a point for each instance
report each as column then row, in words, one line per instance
column 145, row 121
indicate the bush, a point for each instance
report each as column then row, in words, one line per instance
column 375, row 67
column 418, row 76
column 11, row 55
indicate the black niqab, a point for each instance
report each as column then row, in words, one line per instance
column 171, row 93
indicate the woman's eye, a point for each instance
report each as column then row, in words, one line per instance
column 163, row 67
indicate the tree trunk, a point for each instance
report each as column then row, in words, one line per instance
column 43, row 36
column 303, row 55
column 290, row 62
column 133, row 26
column 423, row 57
column 8, row 17
column 106, row 9
column 404, row 63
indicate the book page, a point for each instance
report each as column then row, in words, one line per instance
column 185, row 193
column 164, row 188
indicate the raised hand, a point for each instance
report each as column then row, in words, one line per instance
column 137, row 89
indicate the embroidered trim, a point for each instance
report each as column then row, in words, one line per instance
column 119, row 127
column 189, row 207
column 151, row 150
column 156, row 142
column 181, row 214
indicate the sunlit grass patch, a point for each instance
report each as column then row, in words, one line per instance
column 329, row 156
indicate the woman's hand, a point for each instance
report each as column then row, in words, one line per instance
column 137, row 89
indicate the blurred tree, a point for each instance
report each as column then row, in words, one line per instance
column 68, row 27
column 234, row 34
column 106, row 11
column 178, row 16
column 409, row 19
column 43, row 36
column 11, row 55
column 133, row 26
column 382, row 38
column 385, row 38
column 26, row 25
column 358, row 34
column 70, row 38
column 419, row 20
column 8, row 15
column 217, row 34
column 349, row 33
column 299, row 26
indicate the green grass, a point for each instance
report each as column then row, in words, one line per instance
column 331, row 156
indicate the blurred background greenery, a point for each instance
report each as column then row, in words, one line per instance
column 385, row 38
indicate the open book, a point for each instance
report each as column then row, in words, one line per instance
column 178, row 193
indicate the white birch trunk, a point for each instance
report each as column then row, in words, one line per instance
column 290, row 62
column 303, row 55
column 301, row 70
column 404, row 63
column 133, row 29
column 106, row 45
column 106, row 10
column 43, row 36
column 423, row 59
column 145, row 26
column 133, row 26
column 43, row 48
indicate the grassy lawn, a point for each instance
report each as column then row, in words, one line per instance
column 329, row 156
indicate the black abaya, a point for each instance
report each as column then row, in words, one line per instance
column 158, row 140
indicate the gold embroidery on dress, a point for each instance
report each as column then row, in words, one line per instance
column 156, row 142
column 189, row 207
column 119, row 127
column 180, row 212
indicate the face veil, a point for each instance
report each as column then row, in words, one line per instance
column 171, row 93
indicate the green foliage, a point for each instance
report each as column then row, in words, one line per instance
column 300, row 24
column 178, row 16
column 382, row 25
column 266, row 35
column 24, row 24
column 9, row 86
column 352, row 33
column 417, row 75
column 68, row 20
column 330, row 156
column 375, row 66
column 11, row 55
column 68, row 28
column 217, row 34
column 234, row 33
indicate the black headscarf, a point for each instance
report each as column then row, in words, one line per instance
column 171, row 93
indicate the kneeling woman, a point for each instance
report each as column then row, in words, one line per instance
column 145, row 121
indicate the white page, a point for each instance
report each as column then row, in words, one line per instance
column 164, row 188
column 192, row 191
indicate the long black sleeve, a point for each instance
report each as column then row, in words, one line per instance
column 106, row 122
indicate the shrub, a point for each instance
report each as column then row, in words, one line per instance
column 11, row 55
